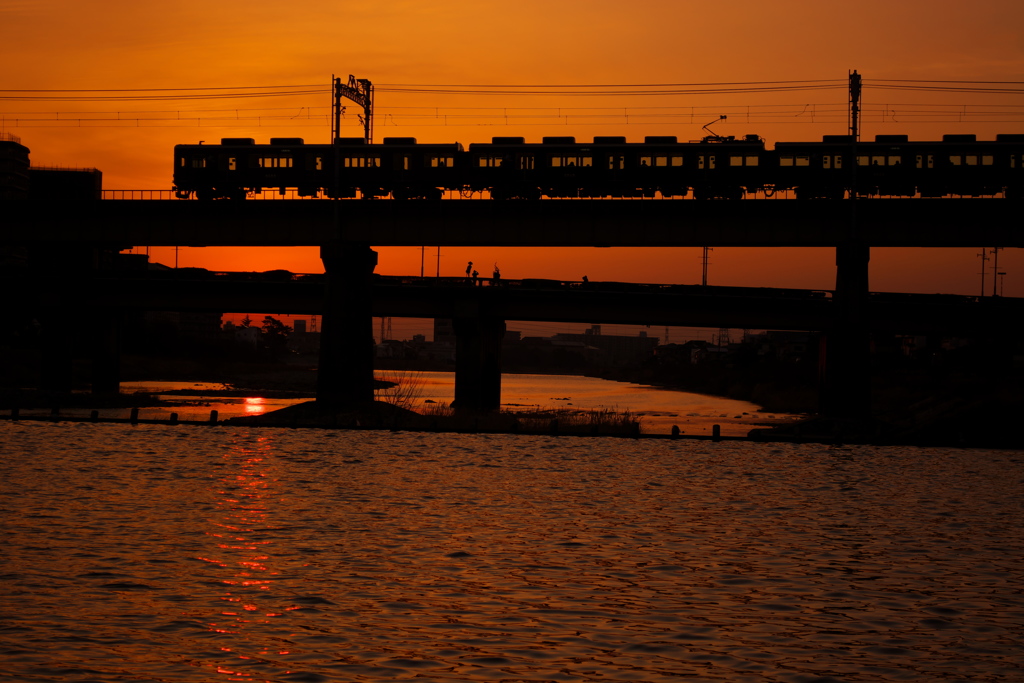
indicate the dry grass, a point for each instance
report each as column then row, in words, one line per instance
column 406, row 389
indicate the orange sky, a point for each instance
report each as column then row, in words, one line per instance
column 68, row 44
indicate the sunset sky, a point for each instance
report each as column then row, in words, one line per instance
column 125, row 45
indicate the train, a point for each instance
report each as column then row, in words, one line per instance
column 506, row 168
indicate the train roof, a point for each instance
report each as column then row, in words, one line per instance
column 890, row 139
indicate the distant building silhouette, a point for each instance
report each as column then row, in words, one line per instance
column 14, row 182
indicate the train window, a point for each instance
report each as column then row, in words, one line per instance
column 955, row 159
column 406, row 163
column 661, row 161
column 319, row 163
column 971, row 159
column 616, row 163
column 490, row 162
column 232, row 164
column 705, row 162
column 838, row 162
column 785, row 161
column 557, row 162
column 735, row 161
column 803, row 161
column 276, row 162
column 361, row 162
column 441, row 162
column 526, row 163
column 199, row 163
column 987, row 160
column 829, row 161
column 894, row 161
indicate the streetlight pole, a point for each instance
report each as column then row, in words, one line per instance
column 995, row 268
column 984, row 257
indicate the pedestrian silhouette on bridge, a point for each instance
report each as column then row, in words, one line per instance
column 469, row 268
column 496, row 276
column 475, row 276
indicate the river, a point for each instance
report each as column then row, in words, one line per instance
column 177, row 553
column 658, row 409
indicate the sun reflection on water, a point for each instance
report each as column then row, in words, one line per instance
column 255, row 405
column 245, row 505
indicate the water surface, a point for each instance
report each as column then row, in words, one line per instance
column 160, row 553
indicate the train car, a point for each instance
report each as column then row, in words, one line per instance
column 893, row 165
column 238, row 166
column 400, row 168
column 963, row 165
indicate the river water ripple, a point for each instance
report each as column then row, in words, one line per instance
column 157, row 553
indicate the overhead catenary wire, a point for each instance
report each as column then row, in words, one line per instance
column 397, row 115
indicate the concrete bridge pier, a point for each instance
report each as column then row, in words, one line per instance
column 345, row 372
column 478, row 364
column 846, row 344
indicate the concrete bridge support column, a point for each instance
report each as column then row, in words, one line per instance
column 345, row 373
column 846, row 347
column 478, row 364
column 106, row 354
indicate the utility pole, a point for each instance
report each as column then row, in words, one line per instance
column 855, row 105
column 704, row 266
column 995, row 268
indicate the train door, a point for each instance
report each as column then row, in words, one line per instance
column 1014, row 188
column 614, row 174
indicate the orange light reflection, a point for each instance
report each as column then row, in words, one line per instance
column 245, row 504
column 254, row 405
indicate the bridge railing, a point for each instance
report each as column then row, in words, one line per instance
column 292, row 195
